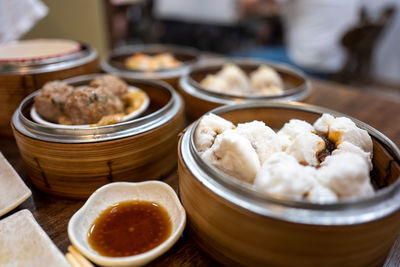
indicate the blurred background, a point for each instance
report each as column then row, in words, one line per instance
column 354, row 42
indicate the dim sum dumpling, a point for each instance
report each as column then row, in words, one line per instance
column 235, row 77
column 266, row 81
column 215, row 83
column 281, row 175
column 343, row 129
column 263, row 139
column 50, row 102
column 305, row 148
column 288, row 133
column 323, row 123
column 346, row 174
column 349, row 147
column 208, row 128
column 234, row 155
column 272, row 90
column 321, row 194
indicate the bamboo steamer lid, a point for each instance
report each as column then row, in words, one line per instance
column 26, row 65
column 37, row 50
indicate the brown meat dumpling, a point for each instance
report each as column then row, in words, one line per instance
column 49, row 103
column 89, row 105
column 113, row 84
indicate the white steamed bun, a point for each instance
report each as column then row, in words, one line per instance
column 235, row 77
column 305, row 148
column 349, row 147
column 281, row 175
column 343, row 129
column 286, row 164
column 234, row 155
column 346, row 174
column 208, row 128
column 215, row 83
column 291, row 130
column 266, row 81
column 263, row 139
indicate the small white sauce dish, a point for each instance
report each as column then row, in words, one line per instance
column 37, row 118
column 113, row 193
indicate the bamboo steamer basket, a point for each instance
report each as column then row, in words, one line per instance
column 75, row 162
column 237, row 226
column 200, row 100
column 21, row 78
column 115, row 62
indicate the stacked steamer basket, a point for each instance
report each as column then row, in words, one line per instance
column 115, row 63
column 199, row 100
column 238, row 226
column 26, row 65
column 75, row 162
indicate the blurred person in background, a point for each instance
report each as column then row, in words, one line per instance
column 309, row 34
column 361, row 42
column 317, row 38
column 385, row 66
column 313, row 29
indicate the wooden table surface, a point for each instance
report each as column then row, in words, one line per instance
column 53, row 213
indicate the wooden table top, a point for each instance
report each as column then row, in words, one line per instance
column 53, row 213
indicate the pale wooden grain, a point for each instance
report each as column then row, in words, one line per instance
column 81, row 259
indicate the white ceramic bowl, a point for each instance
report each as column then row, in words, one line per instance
column 110, row 194
column 37, row 118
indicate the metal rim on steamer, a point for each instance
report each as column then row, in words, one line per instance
column 191, row 87
column 136, row 126
column 83, row 56
column 345, row 212
column 150, row 48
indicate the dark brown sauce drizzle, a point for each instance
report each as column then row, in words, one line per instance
column 129, row 228
column 329, row 147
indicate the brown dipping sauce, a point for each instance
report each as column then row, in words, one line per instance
column 129, row 228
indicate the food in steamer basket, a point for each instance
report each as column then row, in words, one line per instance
column 231, row 79
column 106, row 100
column 323, row 163
column 143, row 62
